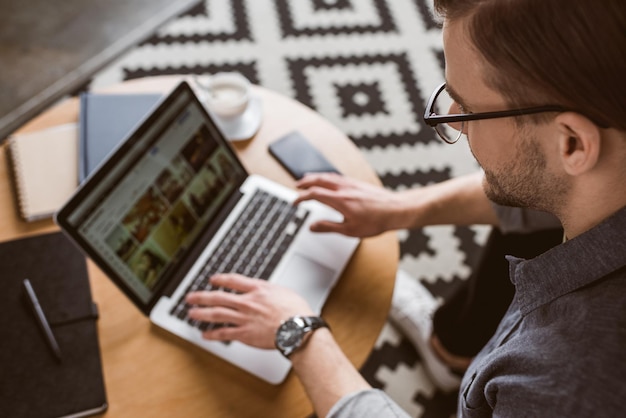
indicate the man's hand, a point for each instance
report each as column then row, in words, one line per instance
column 366, row 208
column 254, row 312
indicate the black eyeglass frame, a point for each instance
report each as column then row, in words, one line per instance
column 432, row 119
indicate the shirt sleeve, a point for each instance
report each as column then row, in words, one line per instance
column 371, row 403
column 522, row 220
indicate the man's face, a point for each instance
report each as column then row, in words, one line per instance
column 512, row 155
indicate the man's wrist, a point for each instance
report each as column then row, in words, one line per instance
column 321, row 337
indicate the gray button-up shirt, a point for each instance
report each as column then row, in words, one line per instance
column 560, row 350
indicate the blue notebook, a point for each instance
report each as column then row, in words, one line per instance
column 104, row 120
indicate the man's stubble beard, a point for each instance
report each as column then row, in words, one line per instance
column 525, row 182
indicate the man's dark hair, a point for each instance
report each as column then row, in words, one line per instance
column 565, row 52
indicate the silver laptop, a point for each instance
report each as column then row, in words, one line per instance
column 172, row 204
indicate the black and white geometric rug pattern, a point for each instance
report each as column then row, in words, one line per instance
column 369, row 67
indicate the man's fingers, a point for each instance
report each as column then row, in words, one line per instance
column 217, row 315
column 328, row 226
column 236, row 282
column 213, row 298
column 234, row 286
column 226, row 333
column 323, row 195
column 326, row 180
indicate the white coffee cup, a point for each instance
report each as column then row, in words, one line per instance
column 227, row 94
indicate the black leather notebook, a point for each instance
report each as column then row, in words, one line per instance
column 104, row 120
column 34, row 382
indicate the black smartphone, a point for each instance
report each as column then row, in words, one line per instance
column 298, row 155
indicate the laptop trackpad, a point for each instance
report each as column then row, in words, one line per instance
column 310, row 279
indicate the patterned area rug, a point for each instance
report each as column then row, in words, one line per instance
column 369, row 67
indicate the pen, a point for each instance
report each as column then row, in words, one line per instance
column 41, row 319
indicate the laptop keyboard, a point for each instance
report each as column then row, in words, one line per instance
column 253, row 247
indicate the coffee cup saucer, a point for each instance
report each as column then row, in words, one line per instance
column 243, row 126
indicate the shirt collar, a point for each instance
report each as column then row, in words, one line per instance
column 571, row 265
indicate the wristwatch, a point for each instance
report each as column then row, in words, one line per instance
column 295, row 331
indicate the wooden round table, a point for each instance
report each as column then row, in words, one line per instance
column 149, row 372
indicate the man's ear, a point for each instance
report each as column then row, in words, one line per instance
column 579, row 142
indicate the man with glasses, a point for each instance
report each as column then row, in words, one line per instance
column 537, row 87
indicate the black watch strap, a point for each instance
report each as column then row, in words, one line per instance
column 315, row 322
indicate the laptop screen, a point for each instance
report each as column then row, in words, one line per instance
column 155, row 195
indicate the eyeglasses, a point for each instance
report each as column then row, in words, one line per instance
column 450, row 126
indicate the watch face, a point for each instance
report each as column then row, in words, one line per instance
column 289, row 334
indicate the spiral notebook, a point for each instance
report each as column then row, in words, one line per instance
column 44, row 169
